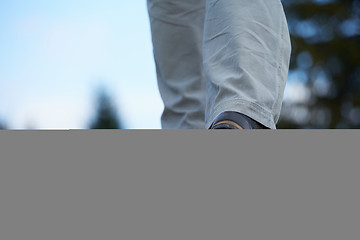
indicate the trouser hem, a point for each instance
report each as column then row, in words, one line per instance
column 246, row 107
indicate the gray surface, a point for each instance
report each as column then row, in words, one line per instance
column 170, row 184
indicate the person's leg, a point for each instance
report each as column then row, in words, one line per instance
column 246, row 58
column 177, row 34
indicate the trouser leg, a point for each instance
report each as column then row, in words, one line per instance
column 177, row 34
column 246, row 58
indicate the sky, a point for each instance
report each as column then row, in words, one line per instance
column 53, row 55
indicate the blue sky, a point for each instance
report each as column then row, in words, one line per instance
column 54, row 54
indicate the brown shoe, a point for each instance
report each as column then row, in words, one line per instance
column 235, row 120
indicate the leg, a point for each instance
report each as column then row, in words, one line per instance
column 246, row 58
column 177, row 34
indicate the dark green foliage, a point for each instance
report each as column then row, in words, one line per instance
column 106, row 114
column 325, row 59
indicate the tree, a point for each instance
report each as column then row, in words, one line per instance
column 325, row 64
column 2, row 124
column 106, row 114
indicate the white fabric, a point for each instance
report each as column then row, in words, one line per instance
column 219, row 55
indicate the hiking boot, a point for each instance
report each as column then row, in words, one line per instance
column 235, row 120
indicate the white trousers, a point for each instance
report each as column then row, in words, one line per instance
column 213, row 56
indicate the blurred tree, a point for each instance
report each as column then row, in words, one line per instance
column 324, row 76
column 2, row 126
column 106, row 115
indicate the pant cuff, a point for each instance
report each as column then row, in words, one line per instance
column 248, row 108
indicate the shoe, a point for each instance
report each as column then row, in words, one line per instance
column 235, row 120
